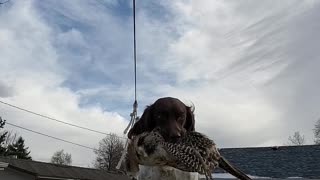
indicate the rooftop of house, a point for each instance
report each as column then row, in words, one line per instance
column 271, row 162
column 42, row 169
column 276, row 162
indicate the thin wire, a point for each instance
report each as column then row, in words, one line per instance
column 59, row 139
column 53, row 119
column 135, row 104
column 134, row 50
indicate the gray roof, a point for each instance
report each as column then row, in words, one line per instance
column 276, row 162
column 60, row 171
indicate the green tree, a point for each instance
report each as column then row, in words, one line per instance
column 2, row 137
column 60, row 157
column 18, row 149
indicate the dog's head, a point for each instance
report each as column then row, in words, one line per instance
column 172, row 116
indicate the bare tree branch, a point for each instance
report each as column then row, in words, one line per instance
column 109, row 153
column 60, row 157
column 317, row 132
column 296, row 139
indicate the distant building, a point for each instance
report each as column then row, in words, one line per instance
column 16, row 169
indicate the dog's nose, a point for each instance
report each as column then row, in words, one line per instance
column 175, row 136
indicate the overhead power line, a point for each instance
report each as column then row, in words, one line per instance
column 59, row 139
column 56, row 120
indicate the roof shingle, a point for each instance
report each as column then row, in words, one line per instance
column 276, row 162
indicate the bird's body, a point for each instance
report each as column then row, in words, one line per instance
column 194, row 152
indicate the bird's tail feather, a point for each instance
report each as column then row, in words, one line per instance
column 224, row 164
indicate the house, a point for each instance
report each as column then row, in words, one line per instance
column 276, row 162
column 281, row 162
column 17, row 169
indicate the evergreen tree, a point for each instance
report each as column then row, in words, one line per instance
column 2, row 137
column 18, row 149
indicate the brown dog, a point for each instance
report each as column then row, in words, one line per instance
column 172, row 116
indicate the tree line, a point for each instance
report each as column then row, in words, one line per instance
column 108, row 153
column 110, row 148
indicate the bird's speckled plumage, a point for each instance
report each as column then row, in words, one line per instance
column 194, row 152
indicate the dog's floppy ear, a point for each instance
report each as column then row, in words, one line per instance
column 190, row 123
column 143, row 124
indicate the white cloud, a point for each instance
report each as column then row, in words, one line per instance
column 31, row 68
column 5, row 90
column 71, row 38
column 250, row 68
column 230, row 60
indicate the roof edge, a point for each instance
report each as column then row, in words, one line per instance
column 263, row 147
column 22, row 170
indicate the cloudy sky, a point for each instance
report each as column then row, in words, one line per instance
column 251, row 68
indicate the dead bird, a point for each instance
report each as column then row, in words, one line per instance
column 193, row 152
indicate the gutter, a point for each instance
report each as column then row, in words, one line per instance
column 3, row 165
